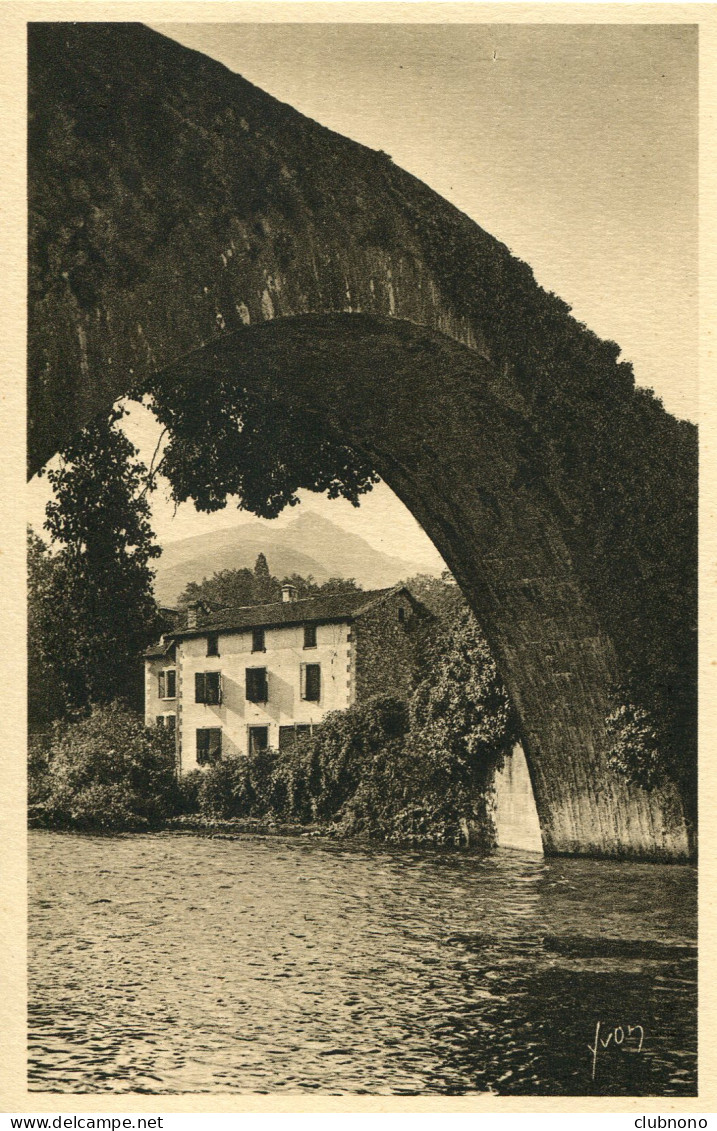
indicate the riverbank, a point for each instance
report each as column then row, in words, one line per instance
column 235, row 827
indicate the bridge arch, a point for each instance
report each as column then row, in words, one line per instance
column 185, row 223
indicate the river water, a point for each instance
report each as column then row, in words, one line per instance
column 177, row 963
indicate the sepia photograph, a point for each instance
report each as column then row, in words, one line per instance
column 362, row 459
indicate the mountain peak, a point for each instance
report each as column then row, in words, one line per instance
column 308, row 544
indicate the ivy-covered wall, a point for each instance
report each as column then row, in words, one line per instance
column 384, row 648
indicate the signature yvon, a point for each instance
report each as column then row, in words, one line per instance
column 630, row 1037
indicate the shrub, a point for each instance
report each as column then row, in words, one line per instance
column 222, row 791
column 37, row 768
column 188, row 788
column 635, row 751
column 107, row 770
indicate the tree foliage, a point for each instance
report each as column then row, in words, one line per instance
column 236, row 587
column 224, row 440
column 92, row 608
column 104, row 771
column 44, row 693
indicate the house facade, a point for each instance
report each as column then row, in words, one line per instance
column 263, row 675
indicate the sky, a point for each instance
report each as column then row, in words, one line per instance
column 575, row 145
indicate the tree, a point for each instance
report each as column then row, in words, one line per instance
column 266, row 587
column 96, row 611
column 44, row 698
column 334, row 586
column 225, row 588
column 236, row 587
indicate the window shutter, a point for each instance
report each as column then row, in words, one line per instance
column 200, row 693
column 201, row 747
column 257, row 687
column 160, row 684
column 213, row 688
column 313, row 683
column 171, row 685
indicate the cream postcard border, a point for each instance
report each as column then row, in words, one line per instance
column 14, row 1096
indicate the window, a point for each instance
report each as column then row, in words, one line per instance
column 167, row 681
column 208, row 688
column 213, row 644
column 309, row 636
column 311, row 682
column 166, row 721
column 258, row 739
column 401, row 614
column 258, row 643
column 209, row 745
column 256, row 685
column 288, row 735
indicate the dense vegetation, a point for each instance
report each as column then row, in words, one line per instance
column 103, row 771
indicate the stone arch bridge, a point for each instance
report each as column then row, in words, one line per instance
column 184, row 222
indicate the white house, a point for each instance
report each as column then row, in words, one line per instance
column 260, row 675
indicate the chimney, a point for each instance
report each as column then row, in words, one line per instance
column 193, row 612
column 288, row 592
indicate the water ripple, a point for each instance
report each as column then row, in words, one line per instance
column 170, row 964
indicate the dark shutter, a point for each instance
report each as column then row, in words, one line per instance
column 160, row 685
column 215, row 744
column 209, row 745
column 202, row 747
column 213, row 688
column 289, row 735
column 160, row 720
column 171, row 684
column 258, row 739
column 171, row 722
column 256, row 685
column 200, row 688
column 309, row 636
column 311, row 682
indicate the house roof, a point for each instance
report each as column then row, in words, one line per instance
column 336, row 607
column 161, row 649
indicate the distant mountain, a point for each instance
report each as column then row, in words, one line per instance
column 309, row 544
